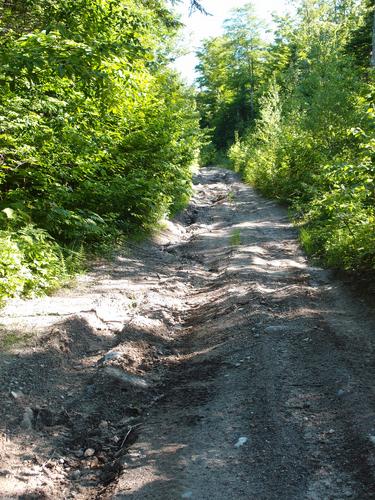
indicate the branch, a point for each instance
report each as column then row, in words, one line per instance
column 196, row 5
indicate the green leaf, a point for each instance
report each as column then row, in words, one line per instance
column 10, row 213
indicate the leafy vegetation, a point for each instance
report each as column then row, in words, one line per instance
column 97, row 133
column 235, row 237
column 307, row 137
column 229, row 78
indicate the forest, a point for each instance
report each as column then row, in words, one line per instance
column 295, row 116
column 98, row 132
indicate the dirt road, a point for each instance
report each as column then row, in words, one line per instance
column 211, row 363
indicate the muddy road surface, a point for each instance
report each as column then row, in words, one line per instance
column 213, row 362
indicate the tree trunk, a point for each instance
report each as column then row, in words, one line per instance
column 251, row 72
column 373, row 43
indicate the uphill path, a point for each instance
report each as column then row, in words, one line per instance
column 211, row 362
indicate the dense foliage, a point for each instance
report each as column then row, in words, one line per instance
column 231, row 77
column 309, row 137
column 97, row 133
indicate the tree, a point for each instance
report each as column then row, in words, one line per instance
column 243, row 31
column 362, row 35
column 230, row 76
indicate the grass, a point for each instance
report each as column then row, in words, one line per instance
column 235, row 237
column 231, row 197
column 13, row 339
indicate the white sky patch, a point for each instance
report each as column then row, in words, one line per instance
column 199, row 26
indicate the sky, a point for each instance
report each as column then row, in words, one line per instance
column 199, row 26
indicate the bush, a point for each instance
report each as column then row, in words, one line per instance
column 31, row 263
column 13, row 273
column 97, row 134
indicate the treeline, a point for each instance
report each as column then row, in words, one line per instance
column 97, row 133
column 296, row 117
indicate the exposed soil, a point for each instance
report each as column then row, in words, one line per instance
column 210, row 363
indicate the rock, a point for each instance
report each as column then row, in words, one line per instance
column 187, row 494
column 76, row 475
column 93, row 462
column 103, row 426
column 30, row 473
column 44, row 416
column 90, row 390
column 16, row 394
column 241, row 441
column 27, row 419
column 340, row 392
column 89, row 452
column 276, row 329
column 126, row 378
column 132, row 411
column 110, row 356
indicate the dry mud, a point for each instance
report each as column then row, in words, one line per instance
column 210, row 363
